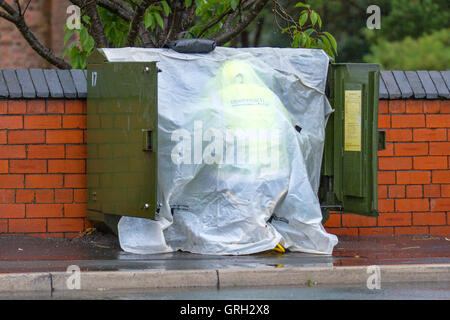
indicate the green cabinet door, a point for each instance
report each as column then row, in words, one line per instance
column 349, row 177
column 121, row 139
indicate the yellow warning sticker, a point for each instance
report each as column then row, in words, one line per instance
column 352, row 120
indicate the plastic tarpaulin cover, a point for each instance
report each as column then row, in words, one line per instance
column 240, row 142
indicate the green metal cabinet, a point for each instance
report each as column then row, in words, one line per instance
column 121, row 140
column 122, row 123
column 350, row 166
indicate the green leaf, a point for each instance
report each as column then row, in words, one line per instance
column 319, row 21
column 326, row 42
column 302, row 5
column 287, row 28
column 313, row 17
column 310, row 31
column 327, row 45
column 90, row 44
column 69, row 48
column 308, row 42
column 332, row 40
column 320, row 44
column 159, row 20
column 74, row 54
column 68, row 35
column 303, row 39
column 187, row 3
column 303, row 18
column 234, row 4
column 296, row 40
column 166, row 8
column 149, row 21
column 84, row 36
column 86, row 19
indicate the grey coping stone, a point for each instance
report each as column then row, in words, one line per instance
column 416, row 85
column 80, row 82
column 72, row 84
column 4, row 93
column 427, row 83
column 391, row 85
column 446, row 76
column 403, row 84
column 40, row 84
column 28, row 90
column 67, row 84
column 56, row 91
column 15, row 91
column 383, row 94
column 439, row 84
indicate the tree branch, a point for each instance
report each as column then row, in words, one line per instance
column 180, row 20
column 117, row 7
column 214, row 22
column 184, row 18
column 26, row 7
column 136, row 22
column 18, row 19
column 97, row 30
column 146, row 36
column 6, row 16
column 10, row 10
column 18, row 6
column 230, row 29
column 122, row 10
column 259, row 29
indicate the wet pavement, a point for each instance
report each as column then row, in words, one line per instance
column 102, row 252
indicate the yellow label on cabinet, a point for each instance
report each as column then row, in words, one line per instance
column 352, row 120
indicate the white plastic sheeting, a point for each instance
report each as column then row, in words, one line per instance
column 235, row 176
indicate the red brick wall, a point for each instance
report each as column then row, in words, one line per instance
column 42, row 167
column 414, row 173
column 46, row 18
column 43, row 182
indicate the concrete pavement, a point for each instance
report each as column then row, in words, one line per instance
column 221, row 278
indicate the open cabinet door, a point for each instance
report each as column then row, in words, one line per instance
column 121, row 139
column 350, row 167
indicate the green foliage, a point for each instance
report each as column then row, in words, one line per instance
column 412, row 18
column 309, row 35
column 428, row 52
column 409, row 37
column 80, row 48
column 153, row 15
column 210, row 18
column 116, row 29
column 211, row 15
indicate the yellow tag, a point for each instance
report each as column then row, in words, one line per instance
column 352, row 120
